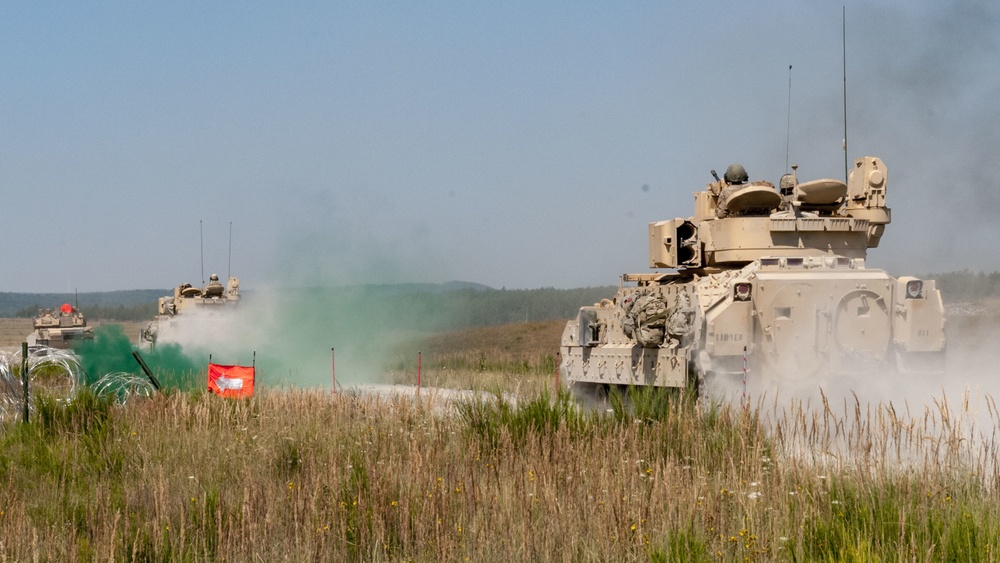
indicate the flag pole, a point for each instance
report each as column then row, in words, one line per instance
column 24, row 382
column 746, row 399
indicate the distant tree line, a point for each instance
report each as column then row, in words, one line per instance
column 967, row 286
column 140, row 312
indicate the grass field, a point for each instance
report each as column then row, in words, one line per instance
column 517, row 358
column 312, row 475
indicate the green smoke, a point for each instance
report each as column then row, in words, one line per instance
column 111, row 352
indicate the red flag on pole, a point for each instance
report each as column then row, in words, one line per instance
column 231, row 381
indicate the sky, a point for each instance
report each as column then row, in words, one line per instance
column 517, row 145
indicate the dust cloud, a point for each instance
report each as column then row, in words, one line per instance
column 331, row 278
column 290, row 333
column 949, row 417
column 288, row 337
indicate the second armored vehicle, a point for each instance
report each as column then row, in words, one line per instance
column 776, row 277
column 190, row 300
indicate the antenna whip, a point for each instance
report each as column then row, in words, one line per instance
column 201, row 241
column 788, row 130
column 844, row 42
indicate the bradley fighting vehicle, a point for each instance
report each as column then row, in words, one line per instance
column 191, row 300
column 60, row 328
column 774, row 276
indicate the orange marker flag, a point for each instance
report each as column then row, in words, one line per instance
column 230, row 381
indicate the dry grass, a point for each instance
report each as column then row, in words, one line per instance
column 14, row 331
column 319, row 476
column 311, row 475
column 524, row 341
column 518, row 358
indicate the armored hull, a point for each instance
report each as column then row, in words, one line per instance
column 779, row 282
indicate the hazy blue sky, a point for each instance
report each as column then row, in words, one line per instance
column 515, row 144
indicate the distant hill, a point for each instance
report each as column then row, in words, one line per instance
column 445, row 306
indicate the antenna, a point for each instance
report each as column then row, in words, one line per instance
column 201, row 240
column 788, row 130
column 844, row 43
column 229, row 274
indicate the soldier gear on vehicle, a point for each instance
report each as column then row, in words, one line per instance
column 647, row 318
column 681, row 317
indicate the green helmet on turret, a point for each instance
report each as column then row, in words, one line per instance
column 736, row 174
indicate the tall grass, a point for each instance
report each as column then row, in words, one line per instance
column 304, row 475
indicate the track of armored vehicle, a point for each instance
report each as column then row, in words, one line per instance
column 773, row 277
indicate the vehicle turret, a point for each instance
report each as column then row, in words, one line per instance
column 737, row 223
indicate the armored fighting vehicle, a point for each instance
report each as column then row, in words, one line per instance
column 192, row 300
column 773, row 277
column 61, row 328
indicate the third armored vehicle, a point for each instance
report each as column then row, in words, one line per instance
column 61, row 328
column 191, row 300
column 776, row 277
